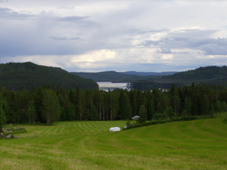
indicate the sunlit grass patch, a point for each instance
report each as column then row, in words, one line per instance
column 197, row 144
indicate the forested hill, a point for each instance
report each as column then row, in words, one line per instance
column 202, row 73
column 113, row 76
column 109, row 76
column 149, row 73
column 17, row 76
column 211, row 75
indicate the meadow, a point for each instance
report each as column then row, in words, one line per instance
column 198, row 144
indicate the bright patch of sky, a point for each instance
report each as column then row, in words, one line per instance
column 138, row 35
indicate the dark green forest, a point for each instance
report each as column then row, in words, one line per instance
column 18, row 76
column 211, row 75
column 109, row 76
column 46, row 105
column 113, row 76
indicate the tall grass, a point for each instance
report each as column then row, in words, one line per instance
column 197, row 144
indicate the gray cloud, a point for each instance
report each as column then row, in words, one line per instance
column 165, row 51
column 145, row 35
column 10, row 14
column 42, row 34
column 71, row 18
column 192, row 39
column 65, row 38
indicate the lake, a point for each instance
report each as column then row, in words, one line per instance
column 111, row 86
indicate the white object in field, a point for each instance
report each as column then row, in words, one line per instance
column 136, row 117
column 114, row 129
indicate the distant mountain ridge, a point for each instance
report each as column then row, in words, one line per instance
column 149, row 73
column 113, row 76
column 108, row 76
column 17, row 76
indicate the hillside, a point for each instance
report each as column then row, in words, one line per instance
column 17, row 76
column 198, row 144
column 211, row 75
column 148, row 73
column 109, row 76
column 208, row 74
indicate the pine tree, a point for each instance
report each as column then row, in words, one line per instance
column 149, row 107
column 218, row 106
column 51, row 106
column 2, row 112
column 163, row 102
column 125, row 109
column 89, row 103
column 2, row 119
column 175, row 102
column 31, row 112
column 224, row 106
column 39, row 105
column 70, row 112
column 80, row 104
column 169, row 112
column 142, row 114
column 133, row 102
column 113, row 104
column 155, row 96
column 139, row 100
column 187, row 106
column 204, row 105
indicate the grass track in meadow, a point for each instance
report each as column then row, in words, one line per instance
column 198, row 144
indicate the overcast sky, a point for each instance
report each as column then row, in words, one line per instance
column 120, row 35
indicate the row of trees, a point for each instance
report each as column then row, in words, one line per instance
column 45, row 105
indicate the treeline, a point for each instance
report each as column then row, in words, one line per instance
column 46, row 105
column 211, row 75
column 109, row 76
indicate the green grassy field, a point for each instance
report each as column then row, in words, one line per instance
column 198, row 144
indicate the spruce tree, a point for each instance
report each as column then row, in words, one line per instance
column 142, row 114
column 224, row 106
column 80, row 104
column 139, row 100
column 218, row 106
column 133, row 102
column 149, row 107
column 51, row 106
column 125, row 109
column 2, row 119
column 31, row 112
column 2, row 111
column 187, row 106
column 205, row 105
column 170, row 113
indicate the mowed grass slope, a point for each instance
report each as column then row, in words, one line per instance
column 198, row 144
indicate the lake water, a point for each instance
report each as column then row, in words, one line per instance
column 111, row 86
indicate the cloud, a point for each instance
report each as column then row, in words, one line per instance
column 167, row 57
column 95, row 56
column 42, row 34
column 112, row 35
column 71, row 18
column 7, row 13
column 65, row 38
column 193, row 39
